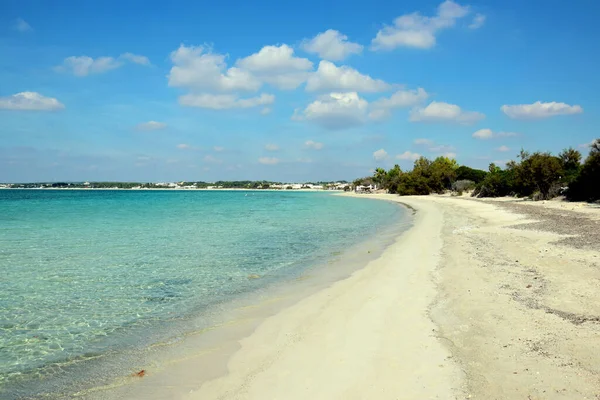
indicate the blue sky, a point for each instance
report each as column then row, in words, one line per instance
column 286, row 91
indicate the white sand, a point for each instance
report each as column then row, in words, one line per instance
column 462, row 306
column 365, row 337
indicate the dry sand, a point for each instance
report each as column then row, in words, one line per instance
column 478, row 300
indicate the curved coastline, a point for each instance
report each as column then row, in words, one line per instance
column 366, row 335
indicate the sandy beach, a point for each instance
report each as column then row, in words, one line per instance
column 478, row 300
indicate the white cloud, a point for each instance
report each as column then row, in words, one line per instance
column 379, row 114
column 401, row 99
column 483, row 134
column 219, row 149
column 380, row 155
column 183, row 146
column 408, row 155
column 31, row 101
column 329, row 77
column 151, row 126
column 423, row 142
column 331, row 45
column 22, row 26
column 224, row 101
column 487, row 133
column 444, row 112
column 309, row 144
column 478, row 21
column 84, row 65
column 336, row 111
column 304, row 160
column 135, row 58
column 449, row 155
column 277, row 66
column 271, row 147
column 268, row 160
column 539, row 110
column 265, row 111
column 503, row 148
column 415, row 30
column 198, row 69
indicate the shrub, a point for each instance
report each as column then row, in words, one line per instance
column 466, row 173
column 462, row 185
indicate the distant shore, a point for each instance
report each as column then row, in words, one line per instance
column 166, row 189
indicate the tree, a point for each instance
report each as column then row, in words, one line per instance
column 466, row 173
column 586, row 186
column 442, row 173
column 545, row 171
column 571, row 164
column 380, row 177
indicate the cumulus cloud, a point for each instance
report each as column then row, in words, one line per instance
column 449, row 155
column 401, row 99
column 268, row 160
column 310, row 144
column 331, row 45
column 197, row 68
column 184, row 146
column 84, row 65
column 487, row 133
column 380, row 155
column 278, row 66
column 478, row 21
column 265, row 111
column 483, row 134
column 151, row 126
column 503, row 148
column 271, row 147
column 336, row 111
column 135, row 58
column 418, row 31
column 218, row 149
column 22, row 26
column 408, row 155
column 31, row 101
column 444, row 112
column 224, row 101
column 330, row 77
column 540, row 110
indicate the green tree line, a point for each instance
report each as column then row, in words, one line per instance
column 539, row 175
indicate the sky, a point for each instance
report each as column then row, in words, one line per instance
column 289, row 91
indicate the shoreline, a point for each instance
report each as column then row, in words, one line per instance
column 477, row 299
column 367, row 335
column 167, row 365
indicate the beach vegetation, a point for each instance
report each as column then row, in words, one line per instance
column 537, row 175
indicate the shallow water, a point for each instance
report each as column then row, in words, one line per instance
column 86, row 273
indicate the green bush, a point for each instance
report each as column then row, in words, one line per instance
column 586, row 186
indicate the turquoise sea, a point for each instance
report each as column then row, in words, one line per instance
column 84, row 274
